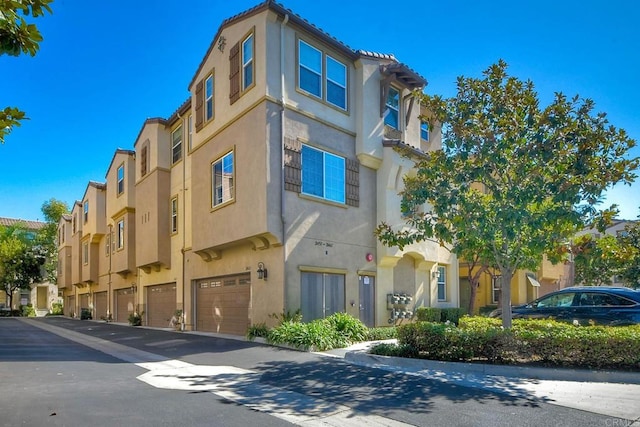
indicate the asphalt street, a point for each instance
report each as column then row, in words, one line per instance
column 66, row 372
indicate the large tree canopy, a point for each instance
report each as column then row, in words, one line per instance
column 18, row 36
column 513, row 179
column 52, row 210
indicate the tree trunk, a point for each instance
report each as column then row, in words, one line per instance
column 505, row 294
column 472, row 295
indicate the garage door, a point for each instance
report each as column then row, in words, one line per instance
column 84, row 301
column 123, row 305
column 222, row 304
column 70, row 309
column 100, row 305
column 161, row 304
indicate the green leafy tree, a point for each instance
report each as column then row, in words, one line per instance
column 629, row 241
column 53, row 210
column 596, row 260
column 512, row 177
column 17, row 36
column 21, row 260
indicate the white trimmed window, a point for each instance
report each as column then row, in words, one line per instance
column 222, row 180
column 86, row 211
column 190, row 133
column 392, row 117
column 323, row 174
column 174, row 215
column 120, row 179
column 442, row 283
column 85, row 253
column 424, row 131
column 208, row 98
column 496, row 288
column 247, row 62
column 321, row 75
column 176, row 145
column 120, row 232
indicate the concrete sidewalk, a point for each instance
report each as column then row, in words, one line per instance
column 612, row 393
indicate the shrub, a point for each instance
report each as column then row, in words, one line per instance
column 257, row 330
column 135, row 319
column 352, row 329
column 57, row 309
column 305, row 336
column 428, row 314
column 295, row 317
column 27, row 311
column 452, row 315
column 383, row 333
column 394, row 350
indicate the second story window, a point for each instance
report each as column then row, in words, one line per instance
column 73, row 224
column 393, row 108
column 86, row 211
column 85, row 253
column 176, row 145
column 321, row 75
column 190, row 133
column 107, row 245
column 247, row 62
column 120, row 234
column 424, row 131
column 174, row 215
column 323, row 174
column 120, row 179
column 144, row 161
column 222, row 180
column 208, row 98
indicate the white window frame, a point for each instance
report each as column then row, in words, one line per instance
column 442, row 283
column 107, row 247
column 120, row 234
column 190, row 132
column 120, row 179
column 174, row 215
column 85, row 253
column 246, row 63
column 322, row 73
column 391, row 108
column 219, row 201
column 85, row 211
column 176, row 145
column 209, row 102
column 424, row 127
column 324, row 166
column 496, row 288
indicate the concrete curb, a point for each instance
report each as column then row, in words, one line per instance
column 438, row 368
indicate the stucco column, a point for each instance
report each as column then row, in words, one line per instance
column 384, row 286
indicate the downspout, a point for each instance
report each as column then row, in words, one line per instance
column 283, row 100
column 109, row 287
column 183, row 317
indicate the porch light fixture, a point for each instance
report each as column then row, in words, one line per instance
column 262, row 271
column 435, row 274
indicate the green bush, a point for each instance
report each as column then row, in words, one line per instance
column 394, row 350
column 283, row 317
column 452, row 315
column 27, row 310
column 428, row 314
column 258, row 330
column 383, row 333
column 352, row 329
column 57, row 309
column 544, row 341
column 135, row 319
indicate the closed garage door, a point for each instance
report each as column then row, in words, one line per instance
column 84, row 301
column 100, row 305
column 70, row 309
column 123, row 304
column 222, row 304
column 161, row 304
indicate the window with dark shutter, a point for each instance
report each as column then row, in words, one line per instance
column 292, row 165
column 144, row 159
column 353, row 182
column 234, row 74
column 199, row 105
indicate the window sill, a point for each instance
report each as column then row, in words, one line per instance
column 323, row 201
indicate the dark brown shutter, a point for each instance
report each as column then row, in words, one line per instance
column 234, row 75
column 292, row 165
column 143, row 160
column 199, row 105
column 353, row 182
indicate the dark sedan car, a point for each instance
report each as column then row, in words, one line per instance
column 587, row 305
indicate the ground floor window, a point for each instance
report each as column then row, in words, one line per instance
column 322, row 294
column 496, row 287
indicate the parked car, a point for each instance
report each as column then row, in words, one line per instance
column 586, row 305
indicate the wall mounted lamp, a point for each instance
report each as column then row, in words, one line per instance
column 262, row 271
column 435, row 274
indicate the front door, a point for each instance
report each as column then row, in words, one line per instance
column 367, row 300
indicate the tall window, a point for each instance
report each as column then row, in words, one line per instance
column 424, row 131
column 144, row 161
column 190, row 133
column 73, row 224
column 393, row 108
column 174, row 215
column 86, row 211
column 107, row 245
column 322, row 75
column 120, row 234
column 120, row 179
column 222, row 177
column 247, row 62
column 442, row 283
column 176, row 145
column 208, row 98
column 322, row 294
column 85, row 253
column 496, row 288
column 323, row 174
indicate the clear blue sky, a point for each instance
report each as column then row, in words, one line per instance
column 105, row 66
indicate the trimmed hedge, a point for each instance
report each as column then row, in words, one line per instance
column 433, row 314
column 533, row 341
